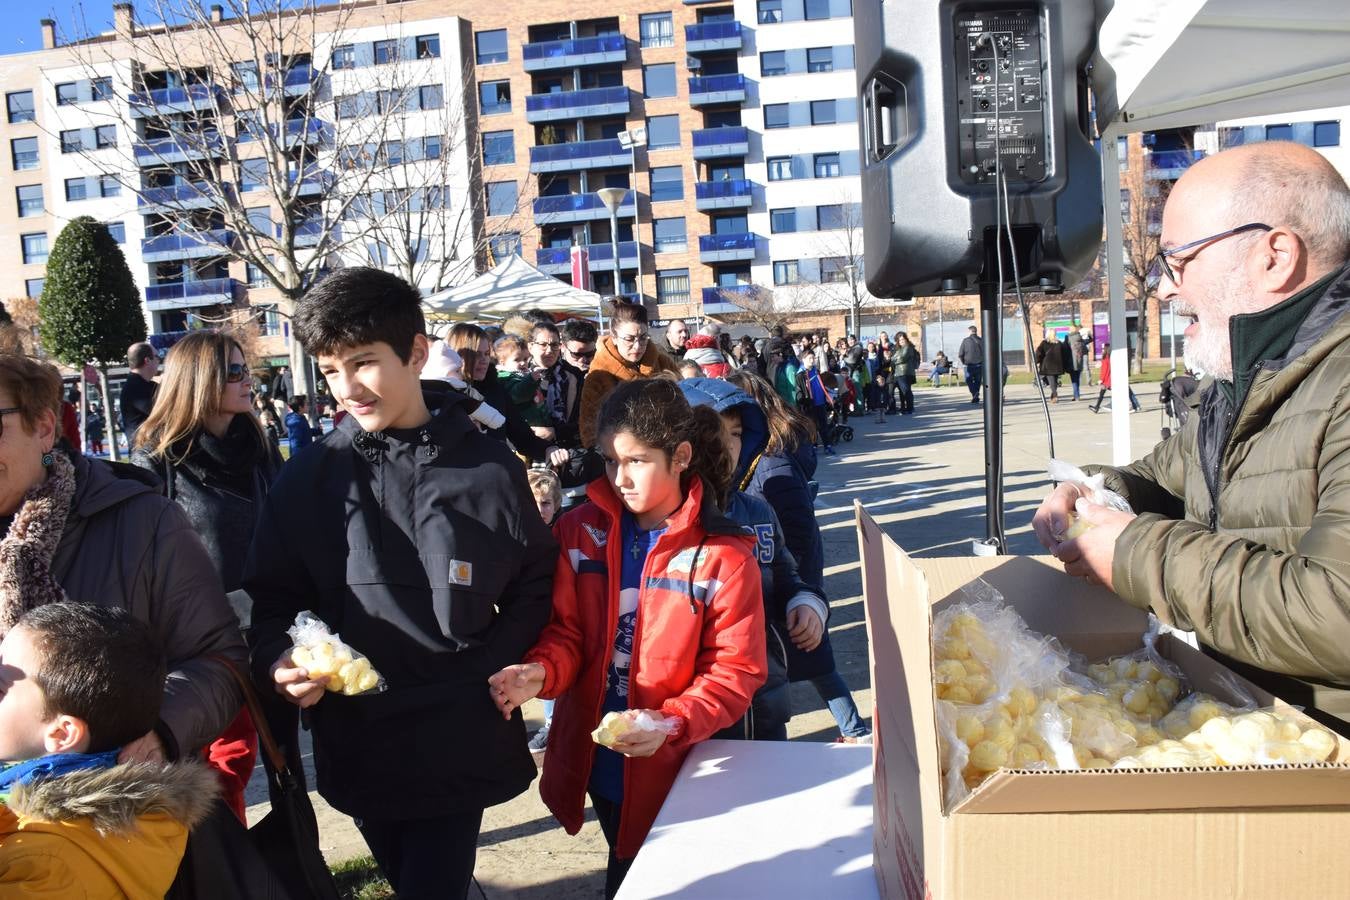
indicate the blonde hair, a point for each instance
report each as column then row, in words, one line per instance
column 508, row 346
column 545, row 483
column 189, row 393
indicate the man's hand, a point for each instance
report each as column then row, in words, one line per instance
column 638, row 743
column 1054, row 515
column 557, row 457
column 514, row 685
column 1091, row 554
column 543, row 432
column 146, row 748
column 804, row 627
column 293, row 682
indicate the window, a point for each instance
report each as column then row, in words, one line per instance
column 494, row 97
column 817, row 9
column 770, row 11
column 431, row 96
column 24, row 153
column 344, row 57
column 348, row 107
column 259, row 219
column 672, row 285
column 118, row 231
column 255, row 276
column 252, row 174
column 109, row 186
column 33, row 287
column 1279, row 132
column 667, row 183
column 499, row 147
column 101, row 89
column 773, row 62
column 820, row 59
column 34, row 247
column 663, row 131
column 1125, row 204
column 393, row 152
column 505, row 244
column 827, row 165
column 76, row 189
column 782, row 221
column 822, row 112
column 490, row 46
column 659, row 80
column 20, row 107
column 785, row 271
column 30, row 200
column 67, row 94
column 105, row 136
column 431, row 146
column 780, row 168
column 71, row 141
column 501, row 198
column 733, row 224
column 246, row 75
column 833, row 270
column 657, row 30
column 830, row 217
column 1123, row 151
column 386, row 52
column 775, row 115
column 669, row 236
column 1326, row 134
column 428, row 46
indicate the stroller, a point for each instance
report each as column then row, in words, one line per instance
column 839, row 431
column 1172, row 395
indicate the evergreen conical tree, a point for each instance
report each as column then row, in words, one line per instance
column 90, row 310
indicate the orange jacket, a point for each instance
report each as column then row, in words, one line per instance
column 698, row 648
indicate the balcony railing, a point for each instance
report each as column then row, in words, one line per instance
column 720, row 294
column 721, row 247
column 196, row 96
column 606, row 101
column 183, row 196
column 306, row 129
column 558, row 260
column 212, row 242
column 1171, row 164
column 587, row 51
column 190, row 290
column 729, row 140
column 580, row 155
column 179, row 147
column 717, row 89
column 710, row 36
column 311, row 181
column 578, row 208
column 728, row 194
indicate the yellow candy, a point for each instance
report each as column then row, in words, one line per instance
column 1168, row 688
column 1137, row 699
column 1319, row 743
column 1097, row 762
column 1001, row 735
column 1078, row 526
column 1022, row 700
column 953, row 648
column 1024, row 755
column 1149, row 671
column 987, row 756
column 1255, row 729
column 1291, row 752
column 970, row 730
column 1125, row 668
column 1288, row 729
column 1202, row 712
column 1230, row 751
column 302, row 658
column 949, row 670
column 612, row 727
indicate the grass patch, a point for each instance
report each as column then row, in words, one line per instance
column 1152, row 372
column 360, row 879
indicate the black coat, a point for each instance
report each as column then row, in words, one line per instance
column 135, row 402
column 425, row 551
column 221, row 485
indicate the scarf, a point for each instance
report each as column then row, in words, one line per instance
column 26, row 552
column 54, row 765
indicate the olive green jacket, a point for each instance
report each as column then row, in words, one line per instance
column 1244, row 527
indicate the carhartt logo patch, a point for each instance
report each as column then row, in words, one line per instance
column 461, row 573
column 597, row 535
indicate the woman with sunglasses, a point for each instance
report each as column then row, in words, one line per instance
column 624, row 354
column 205, row 443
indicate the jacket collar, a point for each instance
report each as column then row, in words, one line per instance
column 698, row 509
column 112, row 799
column 448, row 425
column 1269, row 336
column 607, row 359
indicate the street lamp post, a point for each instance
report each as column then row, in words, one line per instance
column 612, row 197
column 852, row 270
column 631, row 140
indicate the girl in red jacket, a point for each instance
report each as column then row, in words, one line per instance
column 656, row 609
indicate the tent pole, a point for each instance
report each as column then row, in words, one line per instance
column 1115, row 270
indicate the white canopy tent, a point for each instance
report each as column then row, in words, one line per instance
column 1170, row 63
column 511, row 286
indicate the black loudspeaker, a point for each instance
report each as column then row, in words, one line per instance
column 949, row 87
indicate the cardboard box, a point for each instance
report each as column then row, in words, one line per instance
column 1218, row 833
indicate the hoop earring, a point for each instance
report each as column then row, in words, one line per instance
column 48, row 459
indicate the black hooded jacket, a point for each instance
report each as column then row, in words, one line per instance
column 424, row 550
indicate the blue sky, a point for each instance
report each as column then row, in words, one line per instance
column 19, row 29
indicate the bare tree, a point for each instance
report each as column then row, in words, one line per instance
column 839, row 250
column 240, row 119
column 1141, row 203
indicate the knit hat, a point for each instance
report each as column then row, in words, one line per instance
column 444, row 363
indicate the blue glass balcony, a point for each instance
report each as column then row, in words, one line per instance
column 717, row 89
column 308, row 233
column 726, row 247
column 179, row 148
column 608, row 101
column 722, row 299
column 711, row 36
column 298, row 80
column 298, row 131
column 578, row 208
column 558, row 260
column 312, row 181
column 167, row 247
column 182, row 294
column 590, row 51
column 730, row 140
column 578, row 156
column 181, row 196
column 1169, row 165
column 175, row 99
column 731, row 194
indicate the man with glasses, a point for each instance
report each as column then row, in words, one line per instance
column 1242, row 519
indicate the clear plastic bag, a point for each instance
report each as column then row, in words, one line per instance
column 1094, row 491
column 1235, row 737
column 615, row 725
column 322, row 654
column 1144, row 682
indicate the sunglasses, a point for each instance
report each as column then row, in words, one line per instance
column 582, row 354
column 235, row 373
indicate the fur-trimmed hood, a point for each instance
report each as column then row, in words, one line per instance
column 113, row 799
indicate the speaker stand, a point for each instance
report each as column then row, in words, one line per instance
column 991, row 325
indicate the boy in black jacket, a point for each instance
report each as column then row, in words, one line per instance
column 417, row 538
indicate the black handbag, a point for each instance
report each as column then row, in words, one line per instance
column 276, row 859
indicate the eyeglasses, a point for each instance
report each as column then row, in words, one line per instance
column 1160, row 261
column 235, row 373
column 550, row 345
column 3, row 413
column 582, row 354
column 629, row 340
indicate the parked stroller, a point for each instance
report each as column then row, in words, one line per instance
column 839, row 431
column 1172, row 395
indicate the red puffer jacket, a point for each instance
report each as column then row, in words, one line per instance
column 698, row 650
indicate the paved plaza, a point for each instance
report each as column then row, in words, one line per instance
column 922, row 478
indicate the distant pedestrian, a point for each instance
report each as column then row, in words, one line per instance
column 905, row 366
column 138, row 391
column 1075, row 358
column 1050, row 365
column 1106, row 382
column 814, row 399
column 298, row 430
column 971, row 357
